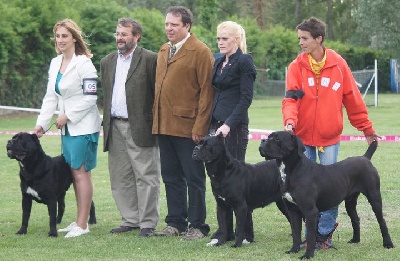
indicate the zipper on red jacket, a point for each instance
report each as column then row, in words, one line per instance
column 316, row 106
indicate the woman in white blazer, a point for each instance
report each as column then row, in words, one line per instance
column 72, row 89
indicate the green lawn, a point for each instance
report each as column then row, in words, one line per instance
column 271, row 229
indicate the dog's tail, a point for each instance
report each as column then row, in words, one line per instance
column 371, row 150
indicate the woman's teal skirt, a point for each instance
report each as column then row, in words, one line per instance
column 82, row 149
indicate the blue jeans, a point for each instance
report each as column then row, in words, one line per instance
column 326, row 219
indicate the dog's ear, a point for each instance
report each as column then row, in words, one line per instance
column 300, row 145
column 35, row 138
column 221, row 137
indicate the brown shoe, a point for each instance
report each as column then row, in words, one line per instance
column 146, row 232
column 122, row 229
column 193, row 234
column 168, row 232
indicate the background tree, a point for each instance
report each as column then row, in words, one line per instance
column 26, row 48
column 378, row 25
column 360, row 30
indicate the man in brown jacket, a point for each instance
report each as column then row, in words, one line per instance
column 182, row 107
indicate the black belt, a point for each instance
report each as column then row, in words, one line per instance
column 119, row 118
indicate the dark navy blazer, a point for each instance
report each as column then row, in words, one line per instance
column 233, row 88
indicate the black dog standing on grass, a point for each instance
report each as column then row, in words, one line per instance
column 310, row 188
column 43, row 179
column 239, row 185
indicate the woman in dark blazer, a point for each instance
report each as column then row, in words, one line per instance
column 233, row 78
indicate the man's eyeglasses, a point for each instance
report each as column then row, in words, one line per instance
column 123, row 35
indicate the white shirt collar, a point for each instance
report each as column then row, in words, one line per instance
column 128, row 56
column 178, row 45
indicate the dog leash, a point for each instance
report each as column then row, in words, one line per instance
column 49, row 128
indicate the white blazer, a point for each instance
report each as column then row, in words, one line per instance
column 81, row 110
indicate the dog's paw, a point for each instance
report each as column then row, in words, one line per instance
column 237, row 244
column 388, row 245
column 92, row 221
column 354, row 241
column 307, row 256
column 292, row 250
column 246, row 242
column 22, row 231
column 213, row 242
column 53, row 233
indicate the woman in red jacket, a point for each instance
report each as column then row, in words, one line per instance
column 319, row 83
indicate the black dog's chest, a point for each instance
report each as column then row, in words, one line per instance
column 34, row 194
column 34, row 191
column 221, row 189
column 37, row 188
column 284, row 183
column 217, row 185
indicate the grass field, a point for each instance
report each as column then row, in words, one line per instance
column 271, row 229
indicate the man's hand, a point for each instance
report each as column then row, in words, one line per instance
column 196, row 138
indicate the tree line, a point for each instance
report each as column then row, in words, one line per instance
column 26, row 26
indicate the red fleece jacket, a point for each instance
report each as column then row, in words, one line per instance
column 318, row 115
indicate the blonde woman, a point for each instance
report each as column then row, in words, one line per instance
column 233, row 78
column 72, row 89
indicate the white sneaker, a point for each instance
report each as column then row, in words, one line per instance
column 77, row 231
column 67, row 229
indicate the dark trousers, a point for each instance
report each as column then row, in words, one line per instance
column 237, row 139
column 184, row 179
column 236, row 142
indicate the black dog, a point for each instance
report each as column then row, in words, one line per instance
column 237, row 185
column 310, row 188
column 43, row 179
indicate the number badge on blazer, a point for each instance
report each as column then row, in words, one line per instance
column 89, row 86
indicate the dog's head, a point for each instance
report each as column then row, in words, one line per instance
column 281, row 144
column 209, row 148
column 22, row 146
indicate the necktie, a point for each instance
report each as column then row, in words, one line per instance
column 173, row 50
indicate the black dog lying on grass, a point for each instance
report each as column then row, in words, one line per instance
column 43, row 179
column 238, row 185
column 310, row 188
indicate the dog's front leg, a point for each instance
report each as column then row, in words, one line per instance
column 223, row 220
column 295, row 219
column 311, row 225
column 241, row 216
column 26, row 213
column 52, row 209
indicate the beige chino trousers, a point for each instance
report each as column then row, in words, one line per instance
column 135, row 178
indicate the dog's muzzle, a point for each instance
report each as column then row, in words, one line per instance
column 261, row 148
column 195, row 154
column 10, row 154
